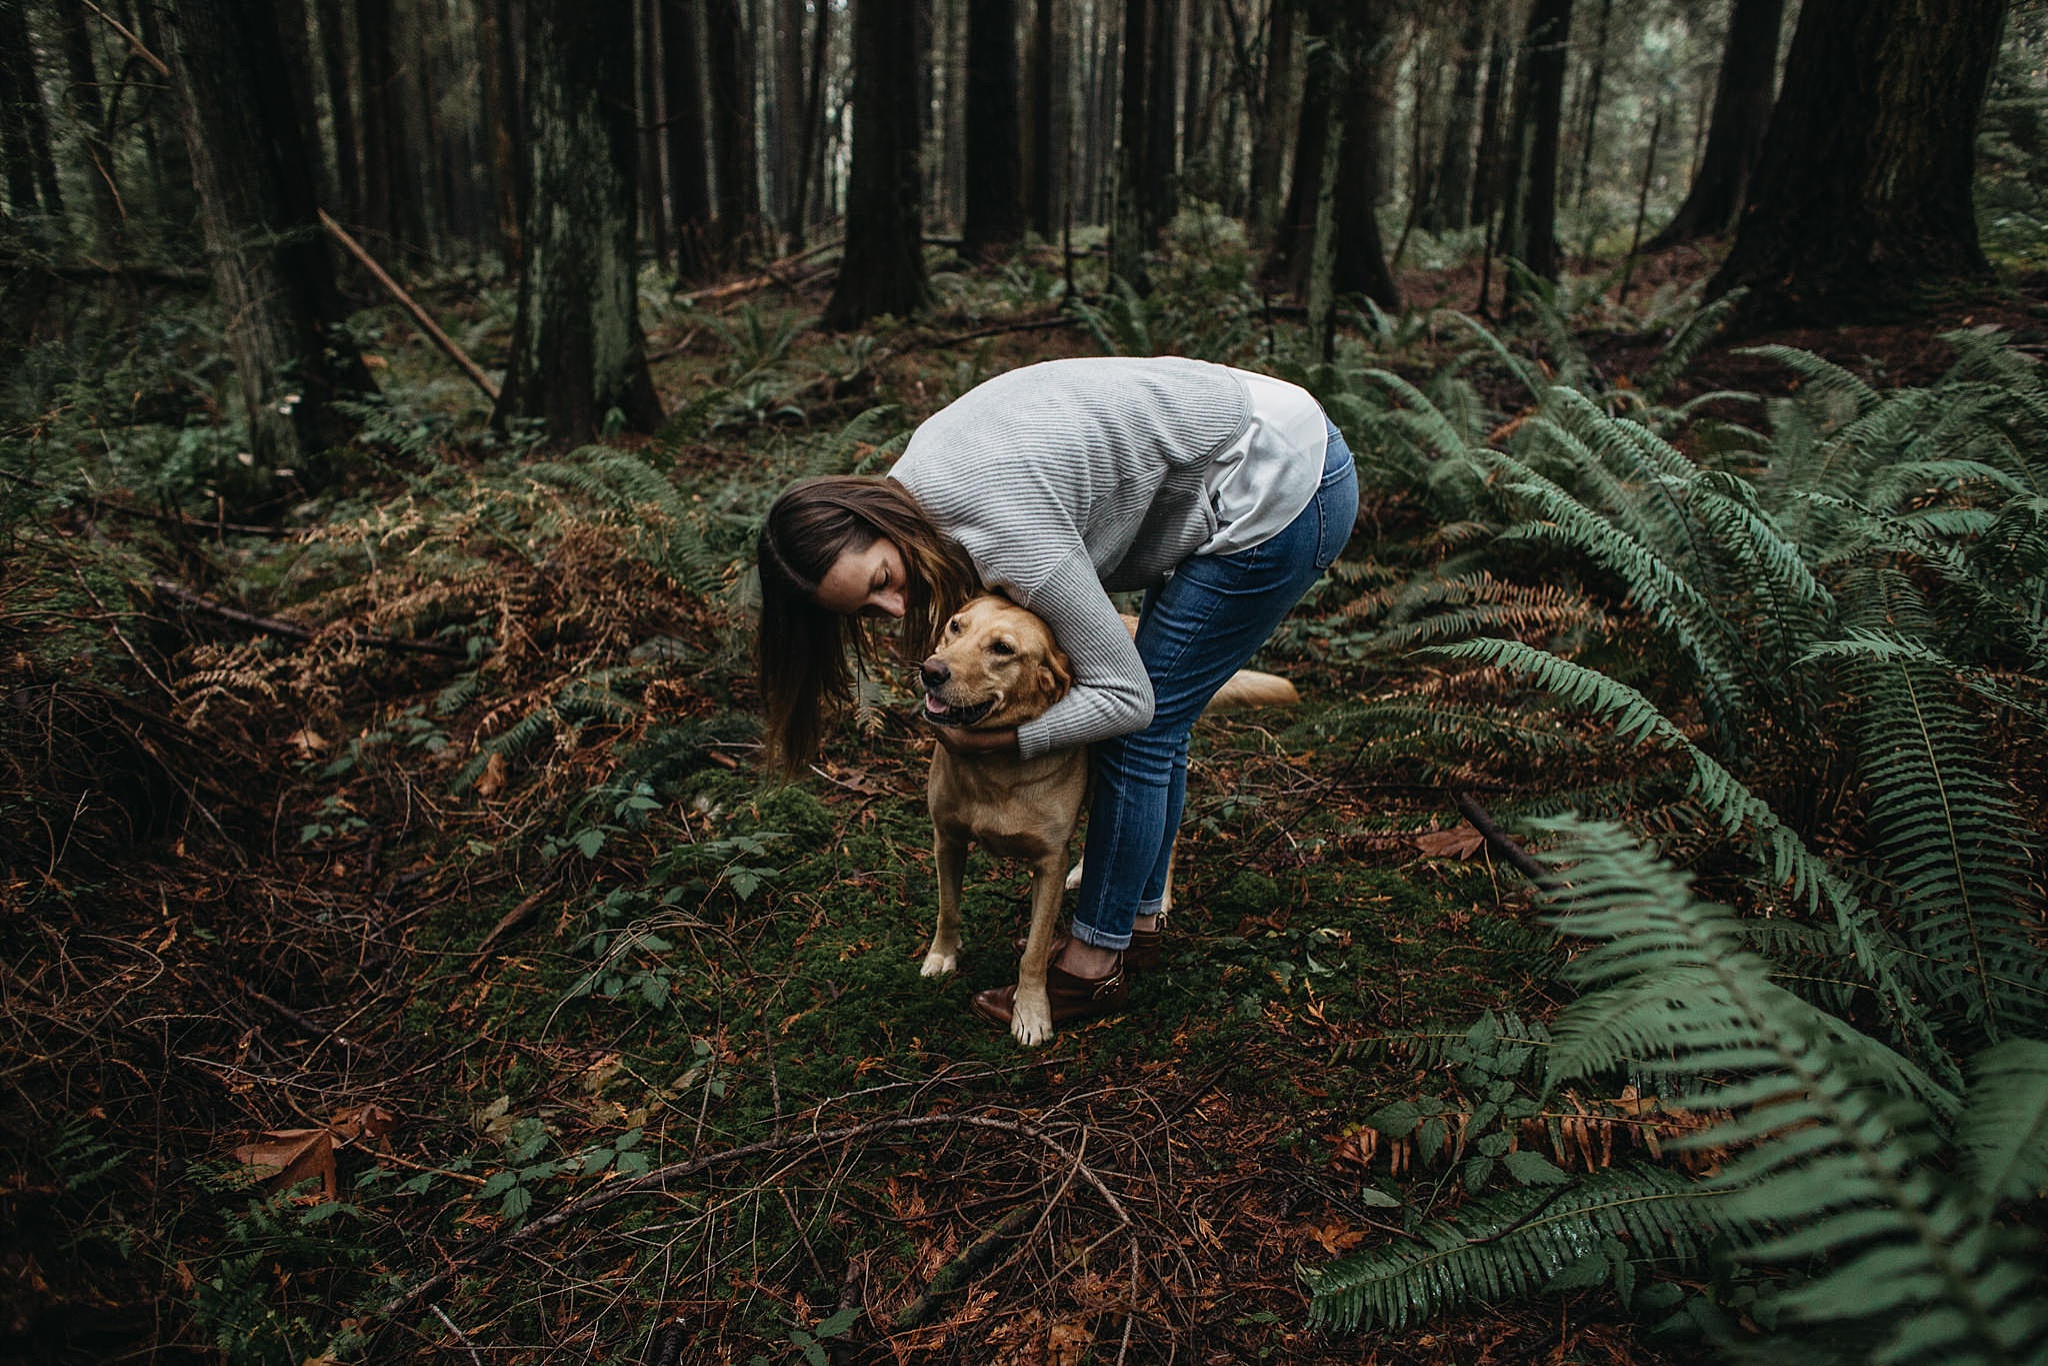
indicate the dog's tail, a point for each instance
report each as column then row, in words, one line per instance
column 1250, row 688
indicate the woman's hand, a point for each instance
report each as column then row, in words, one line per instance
column 959, row 741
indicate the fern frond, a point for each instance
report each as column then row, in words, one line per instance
column 2004, row 1129
column 1776, row 847
column 1823, row 377
column 1693, row 336
column 1514, row 1242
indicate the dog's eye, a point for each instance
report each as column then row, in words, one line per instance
column 1001, row 647
column 954, row 628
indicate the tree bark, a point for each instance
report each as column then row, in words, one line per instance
column 647, row 75
column 348, row 170
column 31, row 170
column 271, row 268
column 1735, row 134
column 577, row 349
column 1450, row 200
column 1861, row 205
column 1128, row 235
column 1044, row 84
column 1486, row 162
column 1360, row 265
column 1595, row 79
column 805, row 207
column 689, row 185
column 730, row 81
column 90, row 114
column 994, row 220
column 1287, row 264
column 883, row 268
column 1162, row 121
column 1277, row 122
column 1528, row 230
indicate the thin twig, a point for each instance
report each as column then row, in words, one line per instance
column 460, row 1336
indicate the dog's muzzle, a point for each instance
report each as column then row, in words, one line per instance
column 940, row 713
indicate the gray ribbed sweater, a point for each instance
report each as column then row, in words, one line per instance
column 1067, row 480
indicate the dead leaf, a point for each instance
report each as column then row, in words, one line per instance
column 283, row 1158
column 1336, row 1236
column 307, row 741
column 1067, row 1344
column 360, row 1122
column 493, row 780
column 1460, row 843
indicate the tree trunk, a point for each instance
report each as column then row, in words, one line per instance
column 383, row 139
column 1528, row 230
column 735, row 161
column 1162, row 120
column 32, row 172
column 789, row 109
column 577, row 351
column 1360, row 266
column 348, row 169
column 689, row 169
column 502, row 117
column 89, row 112
column 1287, row 264
column 271, row 268
column 1128, row 238
column 805, row 207
column 1450, row 200
column 1044, row 84
column 1486, row 163
column 647, row 72
column 1277, row 121
column 883, row 269
column 994, row 219
column 1861, row 204
column 1735, row 135
column 1590, row 120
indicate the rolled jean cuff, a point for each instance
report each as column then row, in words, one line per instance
column 1088, row 934
column 1152, row 906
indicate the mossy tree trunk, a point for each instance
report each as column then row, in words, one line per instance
column 1735, row 134
column 883, row 268
column 1365, row 41
column 730, row 72
column 1861, row 204
column 577, row 350
column 32, row 187
column 994, row 174
column 258, row 212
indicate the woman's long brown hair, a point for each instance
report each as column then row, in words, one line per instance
column 804, row 647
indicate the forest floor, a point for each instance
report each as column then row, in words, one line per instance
column 439, row 978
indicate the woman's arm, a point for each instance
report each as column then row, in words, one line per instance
column 1112, row 693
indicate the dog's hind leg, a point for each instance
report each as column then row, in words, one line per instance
column 949, row 854
column 1031, row 1018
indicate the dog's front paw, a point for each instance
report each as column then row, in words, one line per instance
column 1031, row 1020
column 938, row 962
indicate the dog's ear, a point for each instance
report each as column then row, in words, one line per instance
column 1058, row 673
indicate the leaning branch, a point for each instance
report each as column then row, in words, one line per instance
column 419, row 315
column 290, row 630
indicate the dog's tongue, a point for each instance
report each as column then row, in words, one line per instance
column 934, row 706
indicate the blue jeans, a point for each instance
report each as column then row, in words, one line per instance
column 1194, row 632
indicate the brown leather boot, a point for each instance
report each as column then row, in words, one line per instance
column 1071, row 998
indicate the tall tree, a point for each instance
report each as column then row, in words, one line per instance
column 271, row 269
column 1045, row 101
column 1450, row 200
column 1287, row 264
column 89, row 112
column 1861, row 203
column 689, row 171
column 1159, row 185
column 994, row 219
column 1364, row 43
column 808, row 165
column 1528, row 229
column 504, row 124
column 341, row 111
column 1277, row 119
column 31, row 169
column 647, row 70
column 883, row 268
column 1129, row 233
column 736, row 160
column 1735, row 135
column 1486, row 161
column 577, row 349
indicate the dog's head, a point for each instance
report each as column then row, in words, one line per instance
column 995, row 667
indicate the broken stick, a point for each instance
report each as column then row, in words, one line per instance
column 419, row 315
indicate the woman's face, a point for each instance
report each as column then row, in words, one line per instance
column 868, row 582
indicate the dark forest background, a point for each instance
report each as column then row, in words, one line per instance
column 1631, row 950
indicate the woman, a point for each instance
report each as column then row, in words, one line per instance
column 1222, row 493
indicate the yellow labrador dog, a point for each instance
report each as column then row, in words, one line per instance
column 996, row 667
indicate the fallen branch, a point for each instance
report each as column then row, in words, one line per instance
column 617, row 1189
column 419, row 315
column 954, row 1275
column 291, row 630
column 1503, row 843
column 768, row 276
column 508, row 922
